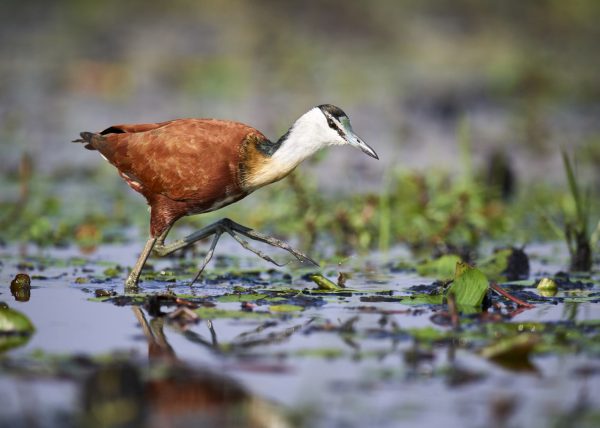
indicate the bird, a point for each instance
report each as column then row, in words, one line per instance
column 192, row 166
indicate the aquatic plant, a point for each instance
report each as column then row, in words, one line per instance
column 576, row 225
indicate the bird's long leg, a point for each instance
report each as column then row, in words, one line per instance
column 162, row 249
column 208, row 256
column 232, row 228
column 132, row 280
column 161, row 238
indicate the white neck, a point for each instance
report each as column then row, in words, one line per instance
column 308, row 134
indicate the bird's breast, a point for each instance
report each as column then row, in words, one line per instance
column 266, row 173
column 258, row 168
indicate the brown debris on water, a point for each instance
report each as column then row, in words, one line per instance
column 509, row 296
column 20, row 287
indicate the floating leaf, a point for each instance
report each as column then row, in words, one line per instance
column 324, row 283
column 228, row 298
column 469, row 287
column 422, row 299
column 113, row 272
column 14, row 322
column 285, row 308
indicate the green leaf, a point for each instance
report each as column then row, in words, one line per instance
column 422, row 299
column 324, row 283
column 14, row 322
column 285, row 308
column 240, row 297
column 469, row 287
column 442, row 268
column 495, row 265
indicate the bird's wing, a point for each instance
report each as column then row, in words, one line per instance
column 185, row 159
column 129, row 128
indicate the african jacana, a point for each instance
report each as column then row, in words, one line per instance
column 192, row 166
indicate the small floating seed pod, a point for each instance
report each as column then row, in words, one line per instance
column 20, row 287
column 547, row 287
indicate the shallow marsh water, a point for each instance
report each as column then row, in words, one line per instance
column 336, row 360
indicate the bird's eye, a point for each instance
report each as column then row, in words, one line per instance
column 331, row 123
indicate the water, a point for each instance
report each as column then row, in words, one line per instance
column 359, row 375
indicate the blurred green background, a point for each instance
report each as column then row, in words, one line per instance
column 441, row 89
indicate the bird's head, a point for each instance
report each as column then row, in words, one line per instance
column 321, row 126
column 335, row 129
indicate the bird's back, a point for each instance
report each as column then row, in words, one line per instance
column 196, row 160
column 182, row 166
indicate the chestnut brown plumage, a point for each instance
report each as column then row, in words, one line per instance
column 190, row 166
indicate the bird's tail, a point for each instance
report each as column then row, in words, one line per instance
column 87, row 138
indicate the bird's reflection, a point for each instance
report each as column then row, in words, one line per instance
column 170, row 392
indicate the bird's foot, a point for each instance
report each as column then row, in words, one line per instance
column 131, row 283
column 234, row 229
column 257, row 236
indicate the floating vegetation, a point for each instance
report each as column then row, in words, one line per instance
column 270, row 324
column 547, row 285
column 325, row 284
column 469, row 178
column 15, row 329
column 469, row 287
